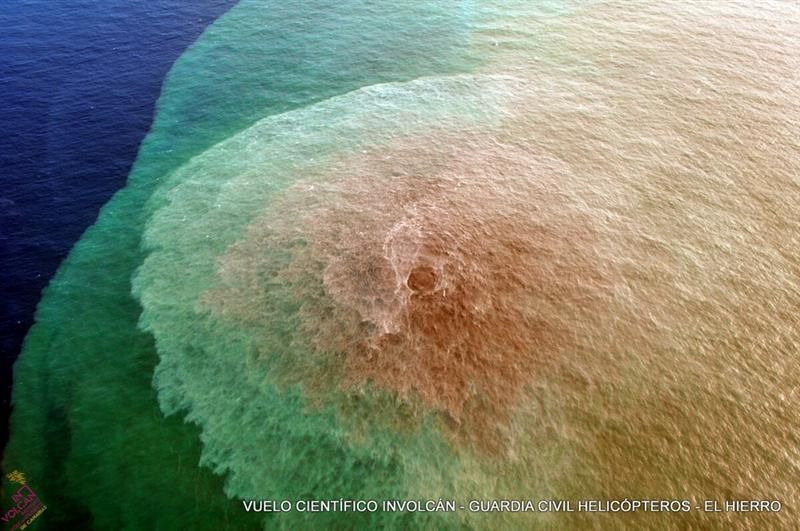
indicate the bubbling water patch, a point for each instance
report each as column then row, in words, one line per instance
column 434, row 268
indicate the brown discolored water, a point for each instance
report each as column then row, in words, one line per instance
column 592, row 289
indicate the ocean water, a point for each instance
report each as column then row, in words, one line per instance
column 479, row 250
column 68, row 72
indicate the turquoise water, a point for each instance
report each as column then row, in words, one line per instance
column 468, row 250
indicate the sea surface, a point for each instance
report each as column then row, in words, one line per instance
column 79, row 81
column 464, row 250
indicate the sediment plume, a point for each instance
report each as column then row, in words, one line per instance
column 438, row 268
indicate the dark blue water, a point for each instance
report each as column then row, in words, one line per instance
column 78, row 84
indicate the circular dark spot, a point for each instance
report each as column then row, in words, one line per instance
column 422, row 278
